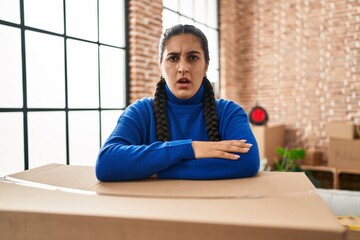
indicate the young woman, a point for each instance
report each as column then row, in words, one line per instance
column 183, row 132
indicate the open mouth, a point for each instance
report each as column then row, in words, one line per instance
column 183, row 81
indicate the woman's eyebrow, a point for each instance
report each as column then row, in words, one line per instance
column 173, row 53
column 193, row 51
column 189, row 52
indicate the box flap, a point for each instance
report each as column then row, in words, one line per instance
column 340, row 129
column 266, row 184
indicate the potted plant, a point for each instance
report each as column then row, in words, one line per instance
column 290, row 158
column 290, row 162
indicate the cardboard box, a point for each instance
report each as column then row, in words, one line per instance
column 269, row 138
column 344, row 153
column 352, row 223
column 313, row 157
column 353, row 234
column 341, row 129
column 67, row 202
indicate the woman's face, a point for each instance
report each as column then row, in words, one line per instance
column 183, row 65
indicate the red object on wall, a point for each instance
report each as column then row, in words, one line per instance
column 258, row 116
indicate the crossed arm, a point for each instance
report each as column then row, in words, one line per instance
column 123, row 158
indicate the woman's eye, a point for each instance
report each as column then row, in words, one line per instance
column 172, row 58
column 194, row 58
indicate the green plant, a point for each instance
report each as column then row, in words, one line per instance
column 290, row 159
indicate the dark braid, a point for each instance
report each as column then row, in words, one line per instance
column 211, row 119
column 160, row 106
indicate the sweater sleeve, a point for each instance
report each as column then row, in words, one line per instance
column 125, row 156
column 234, row 125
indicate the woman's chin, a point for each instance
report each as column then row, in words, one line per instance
column 184, row 94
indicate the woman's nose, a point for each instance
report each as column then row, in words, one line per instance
column 183, row 68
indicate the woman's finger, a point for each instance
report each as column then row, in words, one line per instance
column 228, row 149
column 243, row 148
column 230, row 156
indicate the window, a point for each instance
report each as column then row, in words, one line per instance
column 63, row 78
column 204, row 15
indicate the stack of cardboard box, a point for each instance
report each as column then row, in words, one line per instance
column 344, row 145
column 268, row 138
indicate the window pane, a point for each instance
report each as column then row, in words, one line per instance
column 83, row 86
column 84, row 137
column 10, row 11
column 112, row 76
column 11, row 143
column 212, row 13
column 44, row 14
column 81, row 19
column 108, row 122
column 213, row 40
column 169, row 19
column 172, row 4
column 45, row 70
column 213, row 75
column 185, row 20
column 111, row 22
column 186, row 7
column 200, row 13
column 10, row 67
column 47, row 142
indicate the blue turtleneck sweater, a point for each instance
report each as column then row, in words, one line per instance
column 133, row 152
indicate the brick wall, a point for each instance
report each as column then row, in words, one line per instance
column 297, row 58
column 145, row 28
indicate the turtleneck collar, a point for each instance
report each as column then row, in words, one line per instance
column 197, row 98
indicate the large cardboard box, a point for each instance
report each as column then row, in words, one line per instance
column 344, row 153
column 341, row 129
column 269, row 138
column 67, row 202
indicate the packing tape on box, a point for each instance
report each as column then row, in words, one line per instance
column 351, row 222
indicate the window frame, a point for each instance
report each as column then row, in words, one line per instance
column 25, row 109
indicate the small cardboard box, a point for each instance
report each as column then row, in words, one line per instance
column 67, row 202
column 341, row 129
column 313, row 157
column 344, row 153
column 269, row 138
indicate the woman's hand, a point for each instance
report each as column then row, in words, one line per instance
column 222, row 149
